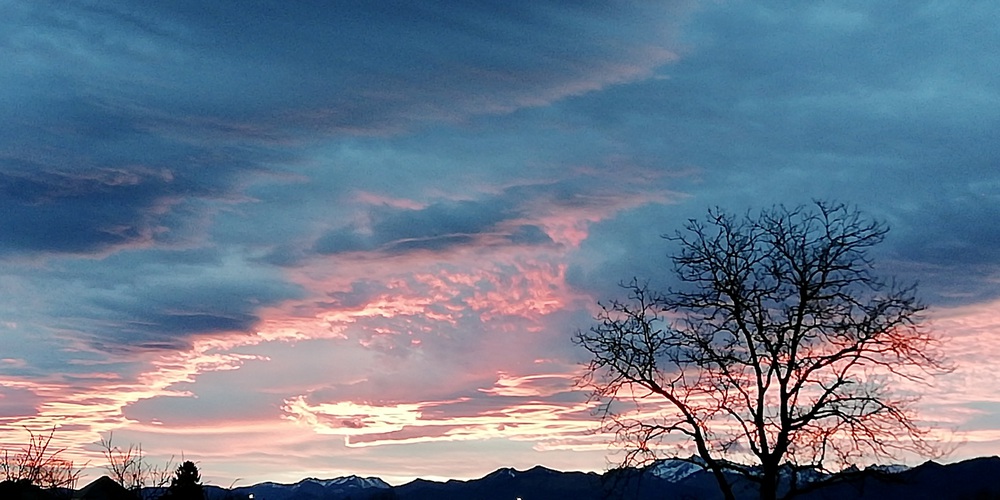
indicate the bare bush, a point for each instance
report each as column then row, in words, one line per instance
column 128, row 467
column 39, row 463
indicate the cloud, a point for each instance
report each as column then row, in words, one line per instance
column 345, row 68
column 394, row 215
column 82, row 212
column 83, row 310
column 18, row 402
column 519, row 215
column 167, row 310
column 785, row 105
column 962, row 238
column 436, row 227
column 95, row 179
column 543, row 385
column 516, row 415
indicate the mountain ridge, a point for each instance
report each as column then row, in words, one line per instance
column 675, row 477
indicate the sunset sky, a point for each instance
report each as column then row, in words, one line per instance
column 290, row 239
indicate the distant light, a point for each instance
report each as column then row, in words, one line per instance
column 251, row 496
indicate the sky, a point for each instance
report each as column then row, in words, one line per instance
column 291, row 239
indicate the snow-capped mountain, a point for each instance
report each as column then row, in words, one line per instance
column 889, row 469
column 354, row 487
column 504, row 472
column 351, row 481
column 676, row 469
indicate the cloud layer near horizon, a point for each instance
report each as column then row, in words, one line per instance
column 319, row 239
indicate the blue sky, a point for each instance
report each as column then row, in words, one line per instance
column 327, row 238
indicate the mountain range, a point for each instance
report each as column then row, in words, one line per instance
column 973, row 479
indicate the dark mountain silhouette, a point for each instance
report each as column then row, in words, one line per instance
column 342, row 488
column 975, row 479
column 103, row 488
column 508, row 484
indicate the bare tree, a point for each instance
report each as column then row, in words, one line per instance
column 39, row 463
column 780, row 348
column 129, row 468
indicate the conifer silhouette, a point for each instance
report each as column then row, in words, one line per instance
column 186, row 484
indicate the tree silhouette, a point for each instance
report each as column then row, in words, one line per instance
column 780, row 349
column 186, row 484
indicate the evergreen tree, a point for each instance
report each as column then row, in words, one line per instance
column 186, row 484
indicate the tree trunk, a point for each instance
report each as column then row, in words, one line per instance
column 769, row 483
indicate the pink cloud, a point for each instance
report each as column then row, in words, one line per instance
column 440, row 348
column 406, row 423
column 532, row 385
column 85, row 412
